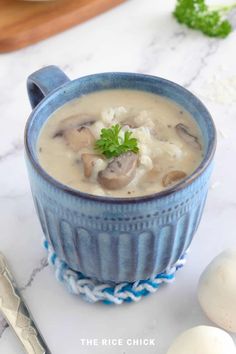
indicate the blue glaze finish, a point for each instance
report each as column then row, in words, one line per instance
column 43, row 82
column 115, row 239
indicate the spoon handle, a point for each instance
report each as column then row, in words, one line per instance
column 17, row 314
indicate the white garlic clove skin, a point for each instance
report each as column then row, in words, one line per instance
column 217, row 290
column 203, row 340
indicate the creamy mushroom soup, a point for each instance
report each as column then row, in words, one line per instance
column 120, row 143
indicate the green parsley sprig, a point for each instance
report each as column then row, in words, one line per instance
column 111, row 144
column 197, row 15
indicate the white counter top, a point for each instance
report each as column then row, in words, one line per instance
column 139, row 36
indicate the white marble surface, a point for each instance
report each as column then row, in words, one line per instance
column 137, row 36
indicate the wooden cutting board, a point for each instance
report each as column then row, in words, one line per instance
column 23, row 23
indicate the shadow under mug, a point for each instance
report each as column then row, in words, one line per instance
column 106, row 238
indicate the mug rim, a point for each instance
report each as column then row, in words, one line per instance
column 119, row 200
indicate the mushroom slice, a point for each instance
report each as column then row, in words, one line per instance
column 119, row 172
column 173, row 177
column 129, row 121
column 79, row 120
column 184, row 133
column 58, row 134
column 152, row 175
column 88, row 162
column 76, row 121
column 79, row 138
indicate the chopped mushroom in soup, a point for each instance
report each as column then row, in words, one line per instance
column 120, row 143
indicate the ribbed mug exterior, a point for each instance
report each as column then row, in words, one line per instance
column 109, row 239
column 119, row 242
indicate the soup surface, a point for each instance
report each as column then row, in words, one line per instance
column 148, row 143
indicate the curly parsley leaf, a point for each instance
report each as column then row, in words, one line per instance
column 197, row 15
column 111, row 144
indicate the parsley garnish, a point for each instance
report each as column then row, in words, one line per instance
column 197, row 15
column 111, row 144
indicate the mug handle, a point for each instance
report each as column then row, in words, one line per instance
column 43, row 81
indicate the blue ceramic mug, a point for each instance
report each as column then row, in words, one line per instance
column 106, row 238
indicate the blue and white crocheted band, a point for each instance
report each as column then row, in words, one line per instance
column 93, row 291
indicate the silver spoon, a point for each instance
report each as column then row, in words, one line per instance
column 17, row 314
